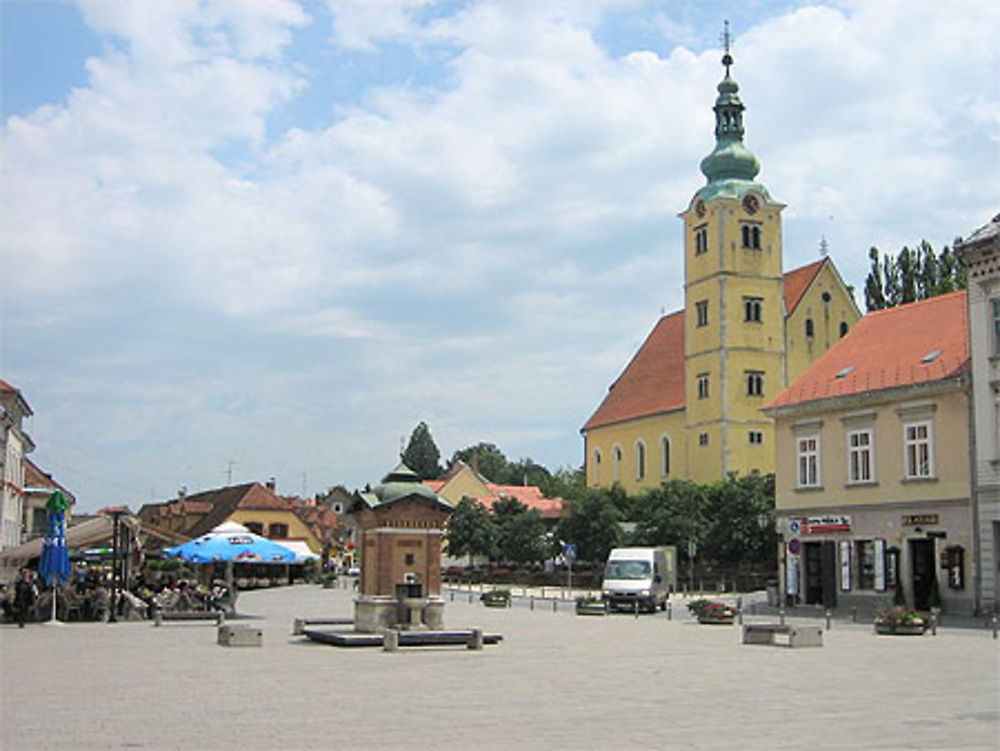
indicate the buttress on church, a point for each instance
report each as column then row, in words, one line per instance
column 688, row 404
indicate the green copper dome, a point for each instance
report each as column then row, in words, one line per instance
column 731, row 167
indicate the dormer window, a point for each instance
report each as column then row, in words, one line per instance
column 931, row 357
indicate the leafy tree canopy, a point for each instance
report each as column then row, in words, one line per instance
column 592, row 524
column 471, row 530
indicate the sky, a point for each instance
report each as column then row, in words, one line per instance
column 245, row 239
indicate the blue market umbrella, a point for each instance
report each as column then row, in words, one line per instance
column 53, row 566
column 222, row 545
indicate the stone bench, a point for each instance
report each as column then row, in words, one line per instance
column 216, row 616
column 785, row 635
column 240, row 636
column 299, row 624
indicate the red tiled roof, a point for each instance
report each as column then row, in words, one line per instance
column 4, row 386
column 887, row 349
column 797, row 281
column 652, row 382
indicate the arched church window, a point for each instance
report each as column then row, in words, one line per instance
column 616, row 469
column 665, row 456
column 640, row 460
column 843, row 329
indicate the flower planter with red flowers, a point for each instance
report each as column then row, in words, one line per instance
column 713, row 612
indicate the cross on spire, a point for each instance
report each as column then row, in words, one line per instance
column 726, row 40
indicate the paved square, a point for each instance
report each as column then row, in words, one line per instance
column 558, row 681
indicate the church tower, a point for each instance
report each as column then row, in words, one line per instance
column 734, row 360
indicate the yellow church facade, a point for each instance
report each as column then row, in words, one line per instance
column 688, row 404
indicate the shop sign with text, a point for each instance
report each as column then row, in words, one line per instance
column 816, row 524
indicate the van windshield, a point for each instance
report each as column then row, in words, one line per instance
column 627, row 570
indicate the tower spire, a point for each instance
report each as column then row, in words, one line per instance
column 730, row 160
column 726, row 40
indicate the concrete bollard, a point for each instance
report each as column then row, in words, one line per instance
column 555, row 604
column 635, row 607
column 854, row 615
column 297, row 627
column 470, row 597
column 739, row 617
column 993, row 621
column 531, row 602
column 781, row 615
column 670, row 612
column 158, row 617
column 452, row 593
column 391, row 641
column 828, row 619
column 934, row 620
column 476, row 639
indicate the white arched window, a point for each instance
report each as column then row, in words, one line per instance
column 616, row 469
column 664, row 455
column 640, row 460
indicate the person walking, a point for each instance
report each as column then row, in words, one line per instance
column 24, row 596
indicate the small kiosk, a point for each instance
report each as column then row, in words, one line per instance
column 402, row 524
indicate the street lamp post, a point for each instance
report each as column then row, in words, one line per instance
column 115, row 564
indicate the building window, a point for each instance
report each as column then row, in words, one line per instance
column 616, row 469
column 664, row 456
column 755, row 383
column 703, row 439
column 843, row 329
column 700, row 240
column 703, row 385
column 864, row 551
column 859, row 456
column 701, row 312
column 278, row 531
column 756, row 436
column 753, row 309
column 809, row 328
column 256, row 527
column 996, row 326
column 808, row 450
column 919, row 450
column 640, row 460
column 596, row 474
column 751, row 236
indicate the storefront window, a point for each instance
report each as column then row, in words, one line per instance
column 865, row 551
column 953, row 560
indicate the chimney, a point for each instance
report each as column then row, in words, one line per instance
column 182, row 493
column 272, row 484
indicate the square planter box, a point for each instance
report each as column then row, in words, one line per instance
column 591, row 608
column 720, row 620
column 886, row 629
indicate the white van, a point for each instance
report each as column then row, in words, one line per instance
column 639, row 577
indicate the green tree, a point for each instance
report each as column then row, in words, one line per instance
column 486, row 459
column 739, row 514
column 911, row 275
column 566, row 483
column 672, row 514
column 593, row 525
column 526, row 472
column 520, row 532
column 421, row 454
column 874, row 291
column 472, row 530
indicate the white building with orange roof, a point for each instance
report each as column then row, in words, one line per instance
column 873, row 490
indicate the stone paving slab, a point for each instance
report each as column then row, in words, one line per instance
column 557, row 681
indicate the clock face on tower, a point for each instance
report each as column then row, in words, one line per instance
column 751, row 203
